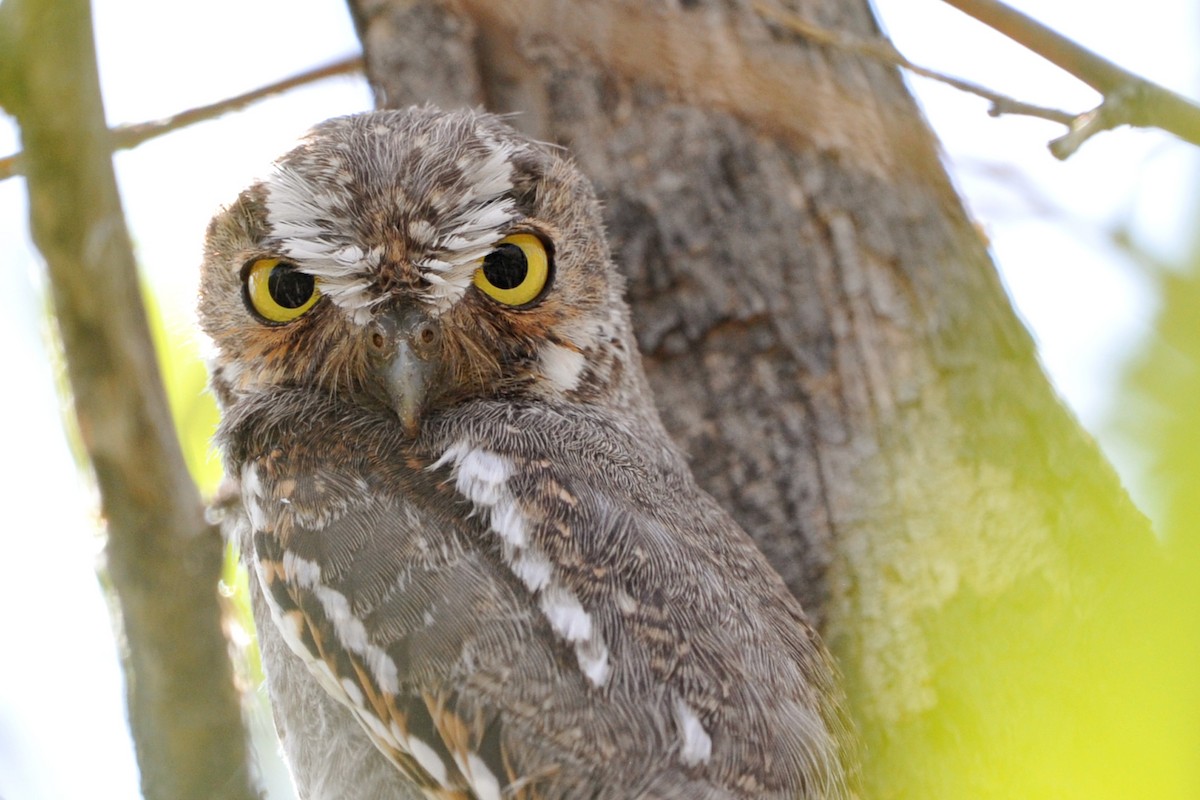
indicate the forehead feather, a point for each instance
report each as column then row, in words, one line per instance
column 431, row 188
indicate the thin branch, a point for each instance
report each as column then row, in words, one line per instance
column 1094, row 70
column 1128, row 98
column 125, row 137
column 884, row 51
column 11, row 166
column 163, row 559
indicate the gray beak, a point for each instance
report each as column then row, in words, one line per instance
column 401, row 344
column 406, row 378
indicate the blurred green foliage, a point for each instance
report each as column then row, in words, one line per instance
column 1080, row 678
column 186, row 379
column 1158, row 414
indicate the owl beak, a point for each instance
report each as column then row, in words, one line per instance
column 406, row 376
column 401, row 344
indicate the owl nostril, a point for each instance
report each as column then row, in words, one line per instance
column 424, row 336
column 380, row 340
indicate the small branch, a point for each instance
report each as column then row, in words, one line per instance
column 1128, row 98
column 11, row 166
column 1094, row 70
column 126, row 137
column 884, row 51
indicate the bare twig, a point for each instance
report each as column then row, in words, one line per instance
column 1094, row 70
column 1128, row 98
column 125, row 137
column 11, row 166
column 884, row 51
column 163, row 559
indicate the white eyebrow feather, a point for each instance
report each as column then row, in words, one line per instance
column 484, row 212
column 313, row 225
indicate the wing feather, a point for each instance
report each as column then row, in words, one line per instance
column 504, row 623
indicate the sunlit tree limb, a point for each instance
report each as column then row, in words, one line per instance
column 163, row 559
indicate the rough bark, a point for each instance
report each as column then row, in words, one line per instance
column 828, row 339
column 163, row 559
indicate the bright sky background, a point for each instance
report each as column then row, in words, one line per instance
column 1047, row 221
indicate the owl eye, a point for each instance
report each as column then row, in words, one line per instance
column 516, row 272
column 278, row 292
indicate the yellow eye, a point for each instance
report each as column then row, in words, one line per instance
column 516, row 272
column 278, row 292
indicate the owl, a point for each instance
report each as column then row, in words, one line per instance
column 479, row 566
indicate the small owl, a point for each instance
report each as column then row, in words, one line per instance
column 480, row 568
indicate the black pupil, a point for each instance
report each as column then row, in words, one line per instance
column 506, row 267
column 289, row 288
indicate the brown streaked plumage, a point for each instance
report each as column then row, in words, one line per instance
column 474, row 546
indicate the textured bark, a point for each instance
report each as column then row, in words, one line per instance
column 828, row 339
column 164, row 560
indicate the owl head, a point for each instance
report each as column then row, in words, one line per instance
column 416, row 259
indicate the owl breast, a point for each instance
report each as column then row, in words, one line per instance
column 507, row 602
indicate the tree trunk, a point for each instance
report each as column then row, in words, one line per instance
column 827, row 337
